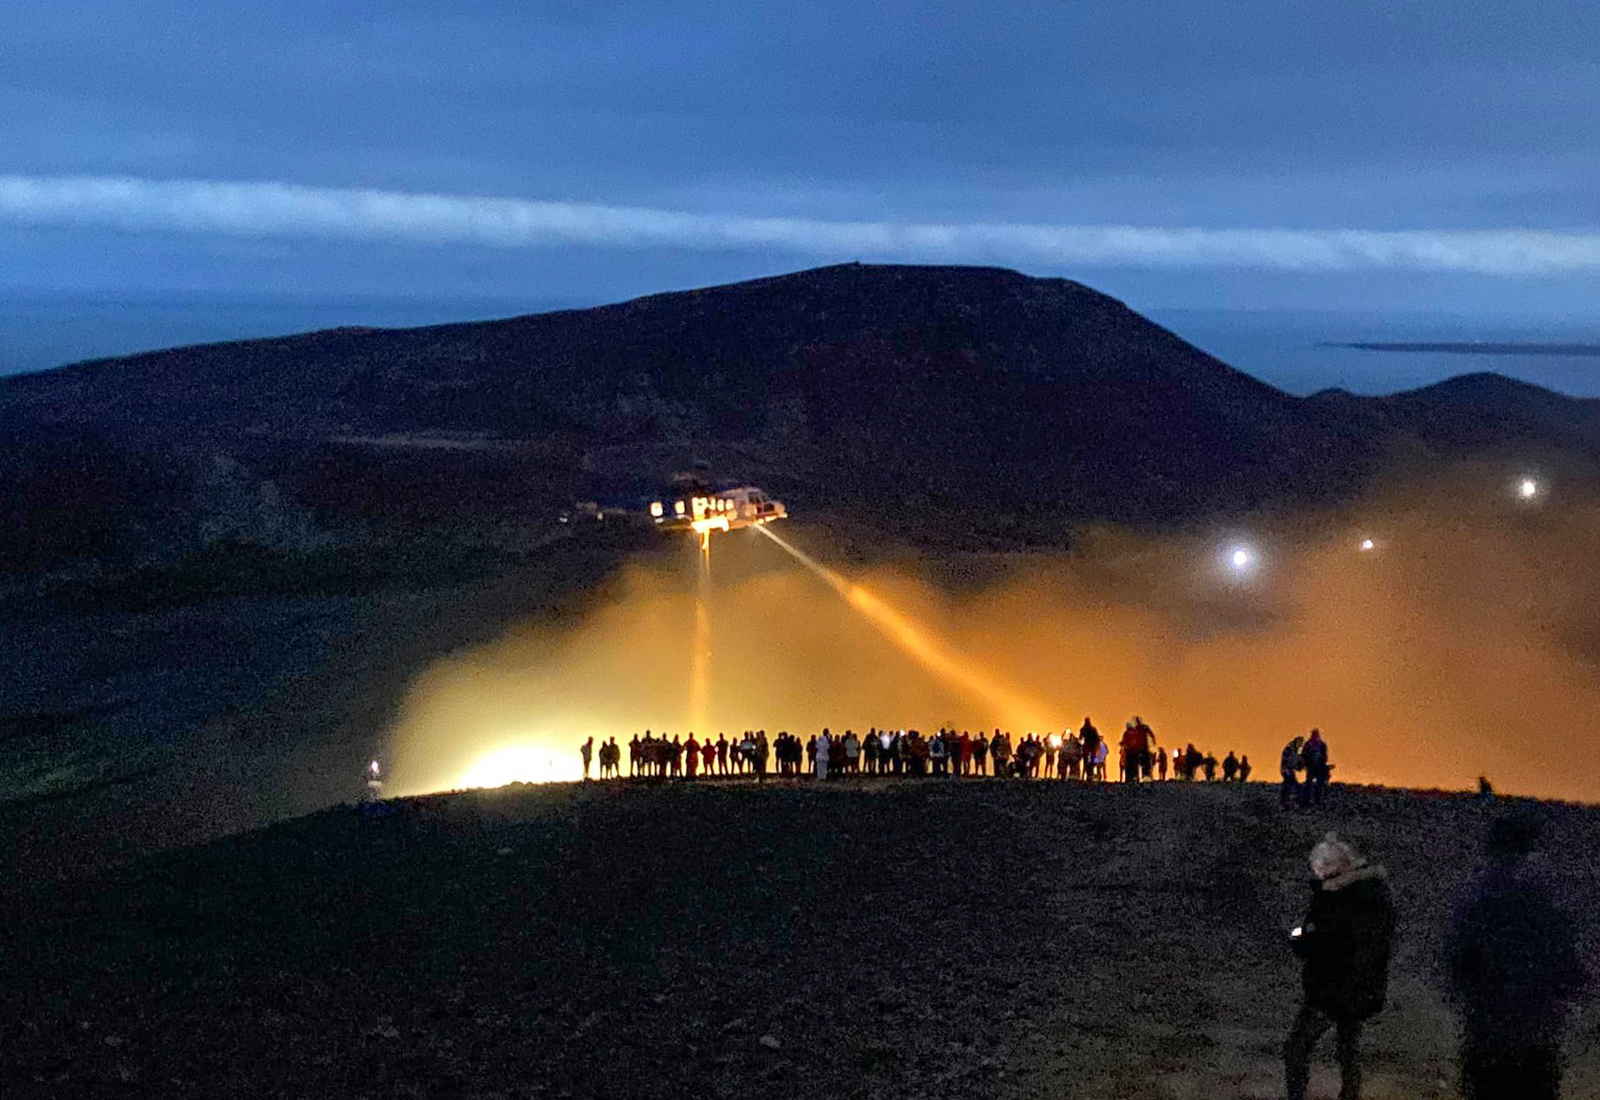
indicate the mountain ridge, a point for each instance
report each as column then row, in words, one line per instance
column 983, row 392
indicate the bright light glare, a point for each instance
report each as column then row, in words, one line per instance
column 1241, row 559
column 520, row 764
column 1528, row 489
column 1367, row 544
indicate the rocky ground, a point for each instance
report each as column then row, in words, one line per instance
column 882, row 939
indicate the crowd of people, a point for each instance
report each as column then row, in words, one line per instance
column 1082, row 754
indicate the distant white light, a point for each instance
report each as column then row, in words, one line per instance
column 1368, row 544
column 1241, row 560
column 1528, row 488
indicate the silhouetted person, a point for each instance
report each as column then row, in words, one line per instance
column 722, row 754
column 1344, row 943
column 1513, row 970
column 1290, row 766
column 760, row 751
column 633, row 755
column 1230, row 768
column 1485, row 789
column 1210, row 765
column 822, row 753
column 1135, row 743
column 1091, row 742
column 1161, row 763
column 1244, row 769
column 980, row 754
column 588, row 752
column 1315, row 758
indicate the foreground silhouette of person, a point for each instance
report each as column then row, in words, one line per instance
column 1344, row 943
column 1513, row 969
column 587, row 749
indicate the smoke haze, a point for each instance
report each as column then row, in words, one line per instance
column 1467, row 642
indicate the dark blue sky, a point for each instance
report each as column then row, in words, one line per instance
column 1397, row 156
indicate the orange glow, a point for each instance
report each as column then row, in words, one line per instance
column 1014, row 708
column 520, row 763
column 1474, row 651
column 700, row 654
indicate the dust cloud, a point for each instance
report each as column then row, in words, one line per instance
column 1465, row 641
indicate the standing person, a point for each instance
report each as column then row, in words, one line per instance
column 722, row 754
column 1513, row 970
column 1244, row 769
column 633, row 756
column 1071, row 757
column 708, row 756
column 936, row 752
column 1230, row 767
column 1161, row 763
column 1135, row 742
column 691, row 749
column 1314, row 756
column 760, row 751
column 852, row 753
column 869, row 750
column 980, row 754
column 1091, row 744
column 1344, row 944
column 588, row 751
column 1146, row 758
column 1289, row 766
column 675, row 752
column 966, row 752
column 820, row 759
column 1210, row 765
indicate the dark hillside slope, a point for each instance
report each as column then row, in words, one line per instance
column 960, row 382
column 966, row 393
column 887, row 940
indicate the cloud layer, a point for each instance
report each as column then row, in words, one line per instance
column 284, row 210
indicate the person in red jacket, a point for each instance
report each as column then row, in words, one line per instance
column 965, row 744
column 1135, row 743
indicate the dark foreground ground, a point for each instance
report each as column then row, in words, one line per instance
column 882, row 940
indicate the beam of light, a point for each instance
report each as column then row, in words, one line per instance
column 1013, row 709
column 700, row 655
column 288, row 210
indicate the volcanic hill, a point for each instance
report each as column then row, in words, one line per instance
column 1010, row 405
column 880, row 939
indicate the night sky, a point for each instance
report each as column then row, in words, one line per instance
column 1435, row 156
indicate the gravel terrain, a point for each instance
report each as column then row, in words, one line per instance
column 873, row 939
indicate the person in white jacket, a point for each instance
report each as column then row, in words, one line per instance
column 823, row 744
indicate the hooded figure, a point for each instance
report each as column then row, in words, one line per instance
column 1344, row 943
column 1513, row 969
